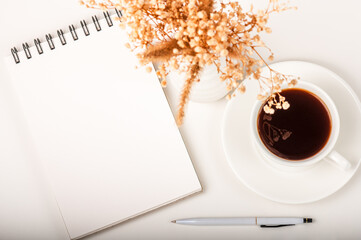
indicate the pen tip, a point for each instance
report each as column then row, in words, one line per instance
column 307, row 220
column 173, row 221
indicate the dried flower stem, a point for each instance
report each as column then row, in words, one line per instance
column 186, row 36
column 184, row 97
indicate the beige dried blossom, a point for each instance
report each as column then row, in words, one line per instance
column 187, row 35
column 148, row 69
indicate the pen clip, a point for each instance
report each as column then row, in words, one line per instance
column 276, row 226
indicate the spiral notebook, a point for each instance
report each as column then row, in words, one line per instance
column 102, row 129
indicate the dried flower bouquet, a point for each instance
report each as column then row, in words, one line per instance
column 187, row 35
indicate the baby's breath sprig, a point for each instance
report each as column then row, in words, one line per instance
column 187, row 35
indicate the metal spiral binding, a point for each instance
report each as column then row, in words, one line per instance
column 85, row 27
column 38, row 46
column 108, row 19
column 73, row 32
column 49, row 39
column 26, row 50
column 61, row 36
column 14, row 52
column 96, row 23
column 119, row 13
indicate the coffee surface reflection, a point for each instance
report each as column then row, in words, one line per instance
column 298, row 132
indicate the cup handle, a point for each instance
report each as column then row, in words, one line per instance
column 338, row 160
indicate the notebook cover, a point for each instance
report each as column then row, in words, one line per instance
column 102, row 129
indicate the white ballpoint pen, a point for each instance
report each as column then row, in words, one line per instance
column 260, row 221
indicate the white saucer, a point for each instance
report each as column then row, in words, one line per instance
column 303, row 186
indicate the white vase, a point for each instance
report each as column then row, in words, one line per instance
column 210, row 88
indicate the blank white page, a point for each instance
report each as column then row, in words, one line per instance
column 103, row 130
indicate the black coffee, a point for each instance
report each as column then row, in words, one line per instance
column 299, row 132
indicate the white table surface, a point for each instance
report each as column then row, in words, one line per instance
column 325, row 32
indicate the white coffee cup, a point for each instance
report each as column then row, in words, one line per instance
column 326, row 153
